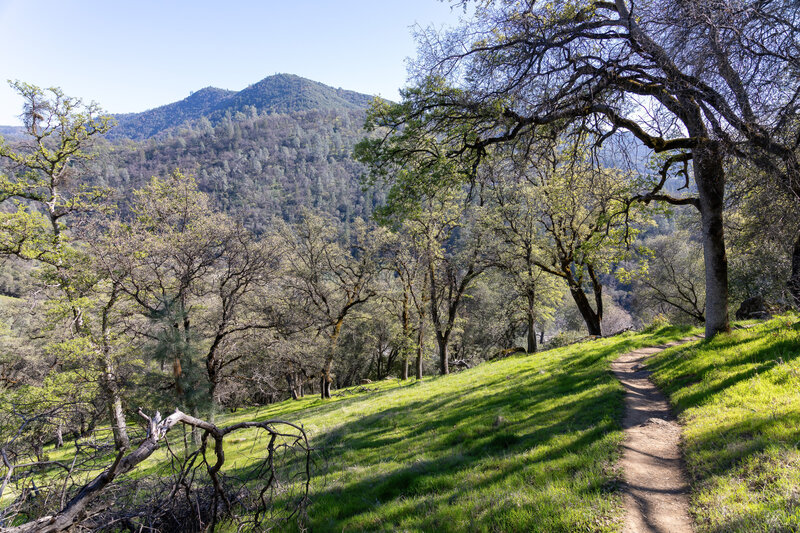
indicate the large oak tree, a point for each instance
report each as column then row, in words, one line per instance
column 696, row 82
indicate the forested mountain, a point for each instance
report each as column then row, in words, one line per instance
column 281, row 93
column 257, row 167
column 267, row 151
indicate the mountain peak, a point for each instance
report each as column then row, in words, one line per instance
column 279, row 93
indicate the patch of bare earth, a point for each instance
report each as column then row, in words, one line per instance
column 656, row 492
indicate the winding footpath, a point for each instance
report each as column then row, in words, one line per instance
column 656, row 492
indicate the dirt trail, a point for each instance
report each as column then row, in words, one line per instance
column 656, row 491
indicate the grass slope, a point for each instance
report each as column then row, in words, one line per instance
column 738, row 398
column 435, row 456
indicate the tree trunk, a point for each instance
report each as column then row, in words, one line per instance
column 406, row 320
column 541, row 336
column 585, row 308
column 292, row 388
column 710, row 179
column 118, row 424
column 110, row 385
column 420, row 345
column 531, row 312
column 325, row 380
column 59, row 435
column 794, row 280
column 444, row 356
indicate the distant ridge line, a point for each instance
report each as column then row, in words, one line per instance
column 279, row 93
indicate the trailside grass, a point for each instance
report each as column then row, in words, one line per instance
column 738, row 400
column 528, row 443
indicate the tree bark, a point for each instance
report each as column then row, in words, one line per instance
column 420, row 341
column 531, row 312
column 794, row 280
column 444, row 356
column 109, row 380
column 589, row 315
column 710, row 179
column 292, row 388
column 118, row 424
column 325, row 382
column 325, row 379
column 406, row 320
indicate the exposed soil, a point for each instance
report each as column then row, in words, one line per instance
column 656, row 491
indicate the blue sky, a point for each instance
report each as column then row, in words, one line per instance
column 134, row 55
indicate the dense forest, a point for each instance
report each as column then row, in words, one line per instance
column 551, row 174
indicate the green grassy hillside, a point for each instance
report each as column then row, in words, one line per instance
column 738, row 398
column 530, row 443
column 524, row 444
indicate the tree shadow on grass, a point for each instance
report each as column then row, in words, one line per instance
column 458, row 438
column 526, row 443
column 758, row 361
column 443, row 478
column 742, row 452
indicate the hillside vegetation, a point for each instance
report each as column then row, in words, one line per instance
column 528, row 443
column 738, row 398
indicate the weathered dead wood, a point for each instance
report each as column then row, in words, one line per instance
column 78, row 507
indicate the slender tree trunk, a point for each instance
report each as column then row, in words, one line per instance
column 589, row 315
column 444, row 356
column 119, row 426
column 794, row 280
column 710, row 179
column 116, row 413
column 541, row 336
column 108, row 381
column 59, row 435
column 292, row 388
column 531, row 312
column 597, row 289
column 325, row 380
column 420, row 342
column 406, row 317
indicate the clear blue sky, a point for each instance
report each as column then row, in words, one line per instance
column 136, row 55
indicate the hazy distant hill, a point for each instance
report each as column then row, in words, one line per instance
column 281, row 93
column 11, row 133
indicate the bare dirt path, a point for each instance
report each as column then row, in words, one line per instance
column 656, row 491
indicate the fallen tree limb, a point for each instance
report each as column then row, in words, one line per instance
column 77, row 508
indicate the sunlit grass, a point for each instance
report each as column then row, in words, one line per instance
column 524, row 444
column 527, row 443
column 738, row 398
